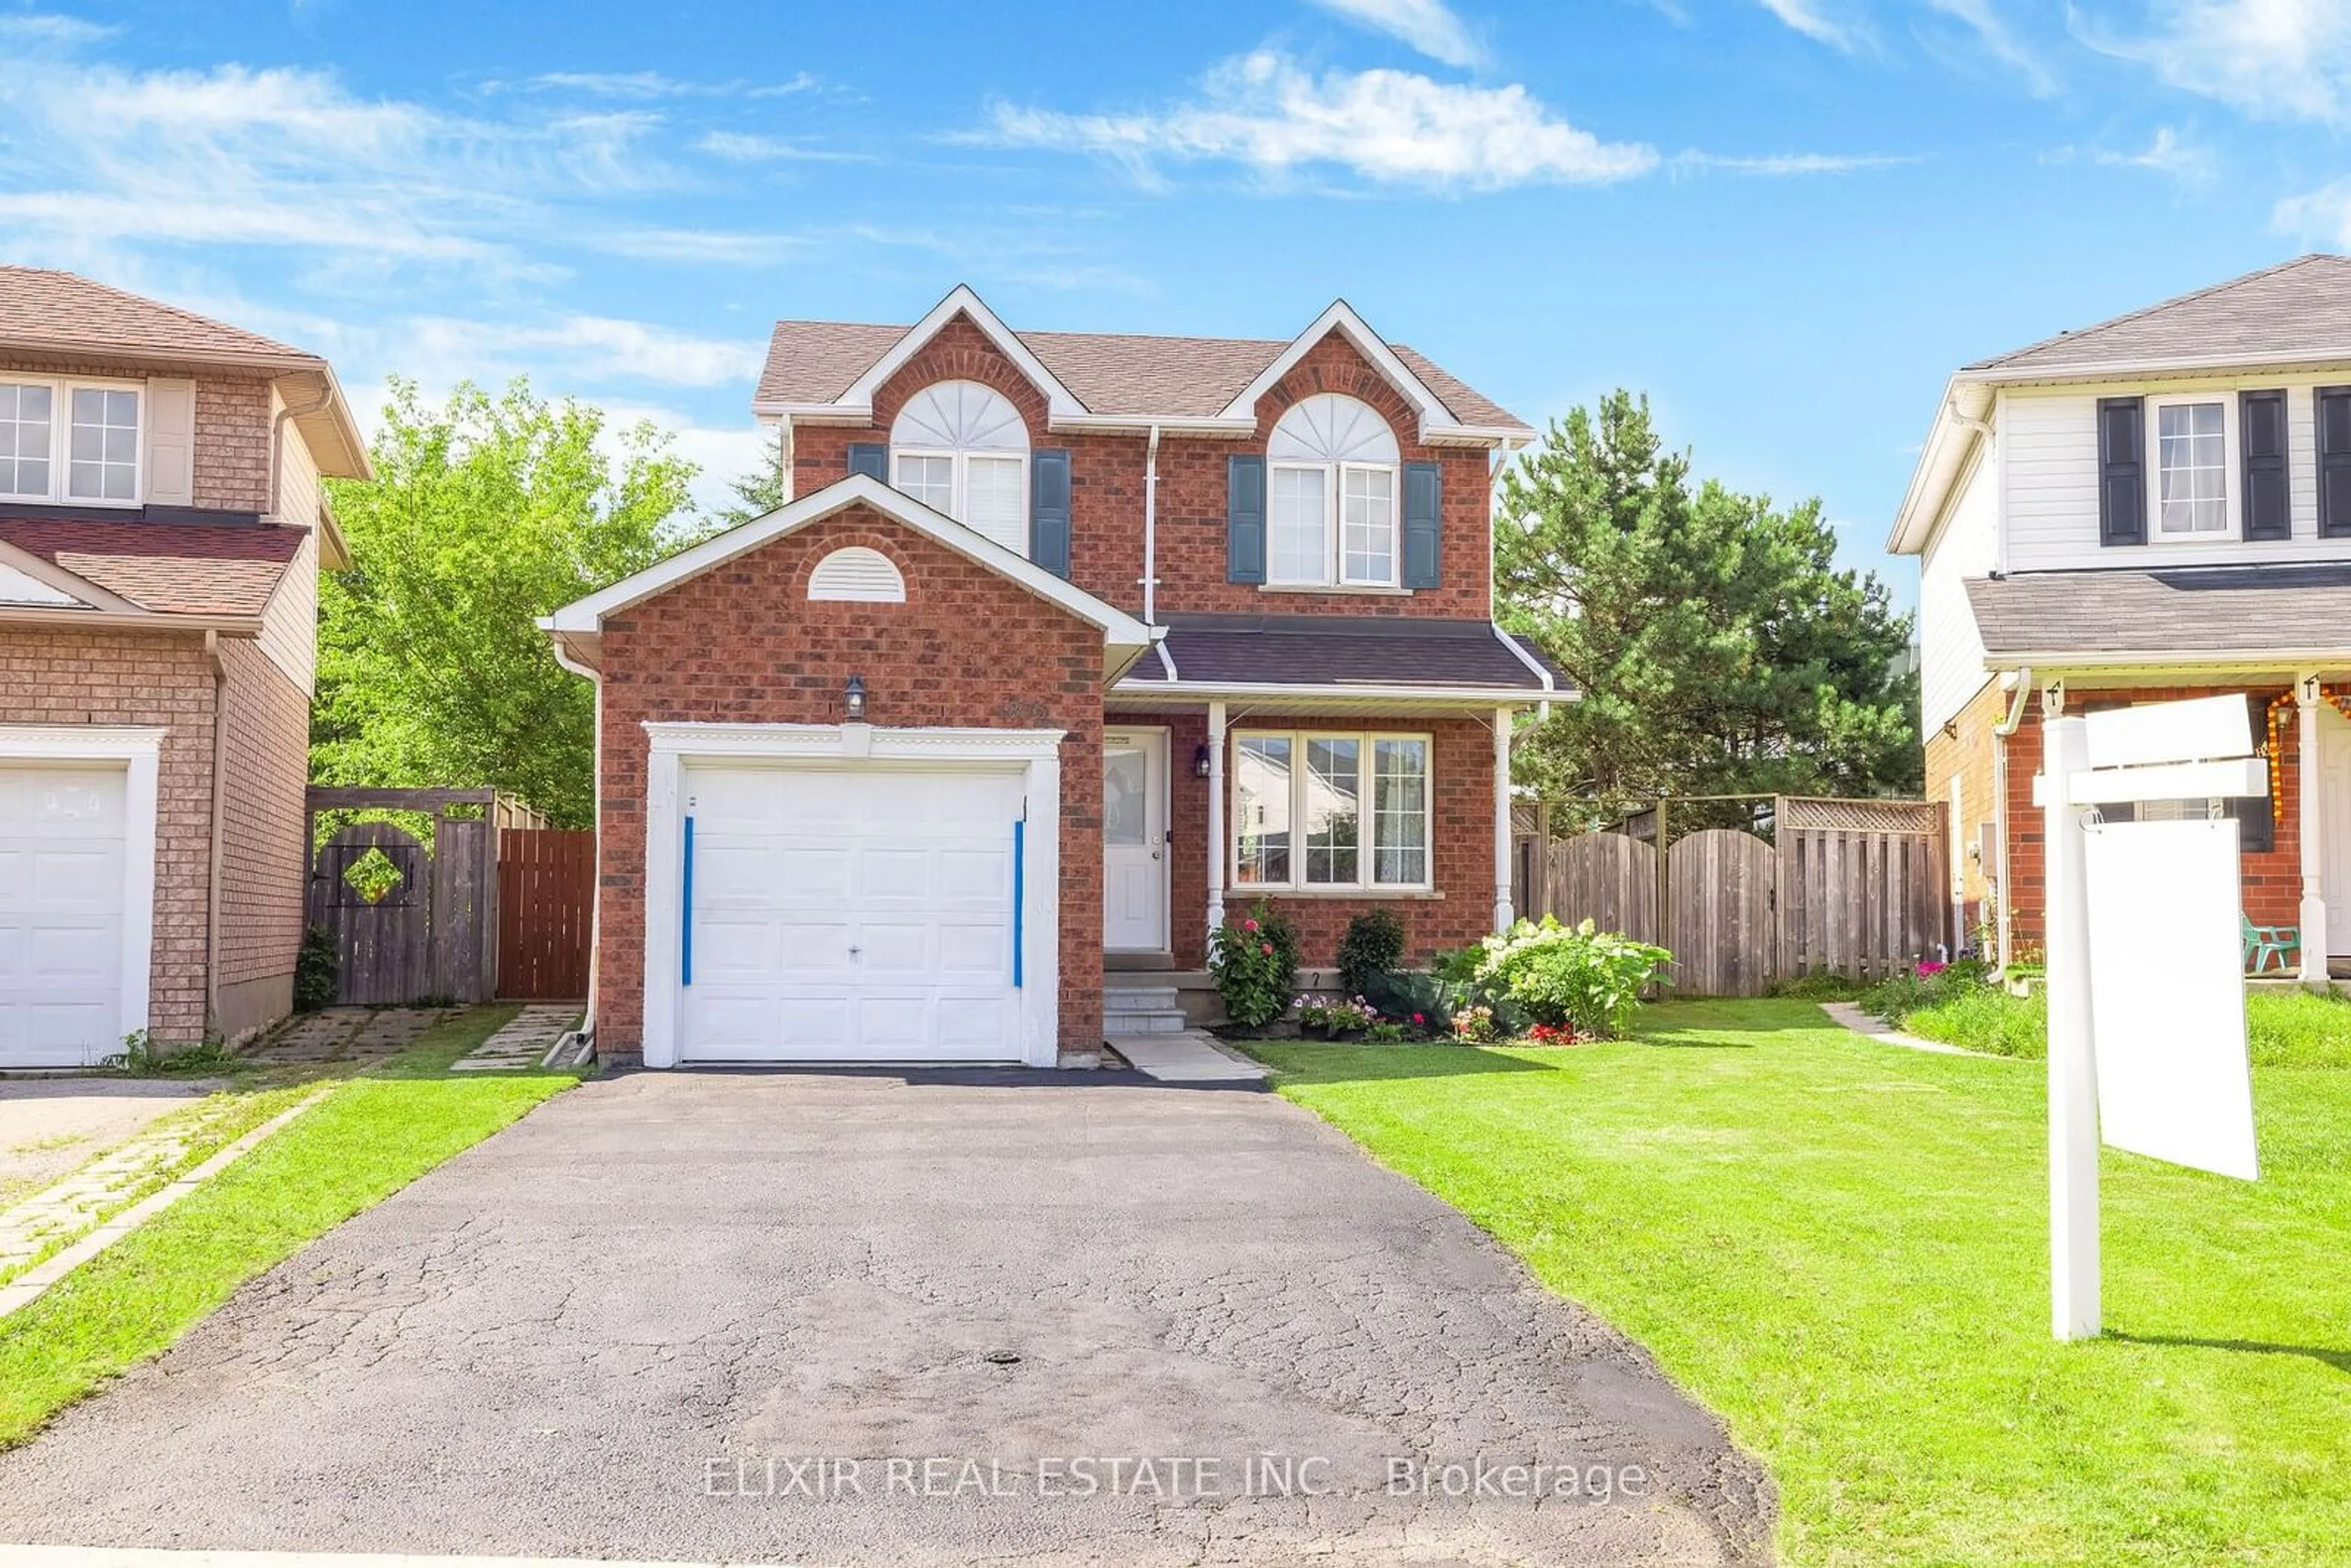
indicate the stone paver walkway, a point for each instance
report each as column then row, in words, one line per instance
column 48, row 1126
column 347, row 1034
column 523, row 1042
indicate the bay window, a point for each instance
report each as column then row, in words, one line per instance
column 1315, row 810
column 70, row 441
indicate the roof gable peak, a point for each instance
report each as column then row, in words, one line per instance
column 962, row 300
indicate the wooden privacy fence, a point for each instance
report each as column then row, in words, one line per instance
column 1853, row 888
column 413, row 916
column 547, row 885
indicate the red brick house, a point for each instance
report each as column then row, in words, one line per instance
column 161, row 529
column 1067, row 646
column 2156, row 507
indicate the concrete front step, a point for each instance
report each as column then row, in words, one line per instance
column 1143, row 1009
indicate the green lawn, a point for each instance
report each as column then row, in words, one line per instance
column 371, row 1137
column 1841, row 1247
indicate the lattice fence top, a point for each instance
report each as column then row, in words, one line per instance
column 1797, row 811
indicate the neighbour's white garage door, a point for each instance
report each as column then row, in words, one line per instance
column 848, row 913
column 60, row 913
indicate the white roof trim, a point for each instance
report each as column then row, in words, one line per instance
column 587, row 615
column 1060, row 403
column 1480, row 696
column 1435, row 419
column 1528, row 660
column 2124, row 661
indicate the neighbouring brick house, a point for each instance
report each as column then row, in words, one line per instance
column 1065, row 646
column 2154, row 507
column 161, row 529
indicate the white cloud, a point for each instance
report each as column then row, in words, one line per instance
column 647, row 86
column 592, row 348
column 2165, row 152
column 2270, row 58
column 2000, row 42
column 1777, row 163
column 1265, row 111
column 38, row 29
column 724, row 247
column 741, row 147
column 2321, row 217
column 1810, row 18
column 1428, row 25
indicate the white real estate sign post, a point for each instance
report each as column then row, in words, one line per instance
column 2147, row 997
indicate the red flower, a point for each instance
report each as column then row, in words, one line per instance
column 1266, row 948
column 1420, row 1017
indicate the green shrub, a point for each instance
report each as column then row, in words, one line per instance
column 1815, row 986
column 317, row 965
column 1373, row 944
column 1581, row 977
column 1255, row 962
column 1407, row 997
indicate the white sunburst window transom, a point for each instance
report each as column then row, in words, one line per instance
column 1332, row 468
column 961, row 448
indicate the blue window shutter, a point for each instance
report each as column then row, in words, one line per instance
column 1049, row 511
column 1423, row 509
column 2122, row 471
column 1243, row 519
column 870, row 458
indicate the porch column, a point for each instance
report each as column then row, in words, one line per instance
column 1502, row 915
column 2313, row 917
column 1215, row 818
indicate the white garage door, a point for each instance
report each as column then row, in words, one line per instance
column 60, row 913
column 850, row 915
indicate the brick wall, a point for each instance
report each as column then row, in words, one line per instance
column 2272, row 880
column 231, row 432
column 741, row 643
column 69, row 677
column 1461, row 762
column 263, row 868
column 1108, row 474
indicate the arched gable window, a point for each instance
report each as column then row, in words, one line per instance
column 1330, row 495
column 960, row 448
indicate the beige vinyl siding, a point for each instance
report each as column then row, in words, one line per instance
column 1951, row 653
column 290, row 625
column 2050, row 460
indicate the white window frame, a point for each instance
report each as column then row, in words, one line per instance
column 2232, row 529
column 61, row 391
column 1366, row 848
column 1335, row 514
column 960, row 458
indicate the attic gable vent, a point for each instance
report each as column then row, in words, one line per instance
column 857, row 573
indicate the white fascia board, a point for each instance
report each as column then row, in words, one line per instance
column 2046, row 665
column 1942, row 460
column 854, row 414
column 1435, row 417
column 1528, row 660
column 1060, row 403
column 1473, row 697
column 586, row 615
column 2201, row 364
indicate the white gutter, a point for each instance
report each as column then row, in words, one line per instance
column 2118, row 662
column 213, row 850
column 278, row 437
column 1480, row 696
column 2011, row 375
column 1151, row 529
column 2004, row 938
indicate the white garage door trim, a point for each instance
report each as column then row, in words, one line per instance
column 138, row 748
column 1037, row 751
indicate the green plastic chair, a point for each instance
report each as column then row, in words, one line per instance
column 2266, row 943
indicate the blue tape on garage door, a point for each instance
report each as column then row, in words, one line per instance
column 685, row 939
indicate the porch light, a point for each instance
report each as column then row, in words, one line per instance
column 1200, row 760
column 856, row 699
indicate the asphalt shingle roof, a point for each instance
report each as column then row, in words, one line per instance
column 172, row 569
column 64, row 310
column 2297, row 310
column 1326, row 650
column 2207, row 609
column 1111, row 373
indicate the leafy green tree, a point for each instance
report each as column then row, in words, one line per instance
column 1718, row 648
column 483, row 516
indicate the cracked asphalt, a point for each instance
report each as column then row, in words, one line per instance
column 616, row 1328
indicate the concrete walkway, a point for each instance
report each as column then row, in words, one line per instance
column 1186, row 1056
column 628, row 1326
column 1851, row 1016
column 48, row 1126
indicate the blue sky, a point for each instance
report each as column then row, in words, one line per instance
column 1786, row 220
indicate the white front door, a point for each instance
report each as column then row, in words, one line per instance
column 1135, row 841
column 2335, row 827
column 61, row 862
column 850, row 914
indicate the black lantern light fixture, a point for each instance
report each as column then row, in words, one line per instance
column 1201, row 763
column 857, row 699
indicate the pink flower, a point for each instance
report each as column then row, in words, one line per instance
column 1420, row 1017
column 1266, row 948
column 1248, row 926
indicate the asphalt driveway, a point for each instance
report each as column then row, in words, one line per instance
column 962, row 1311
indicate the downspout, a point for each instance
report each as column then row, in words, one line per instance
column 213, row 853
column 278, row 437
column 2005, row 938
column 1151, row 527
column 595, row 677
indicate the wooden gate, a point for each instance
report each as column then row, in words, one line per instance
column 547, row 890
column 412, row 920
column 1606, row 878
column 1721, row 887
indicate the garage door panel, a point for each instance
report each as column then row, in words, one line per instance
column 61, row 901
column 796, row 867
